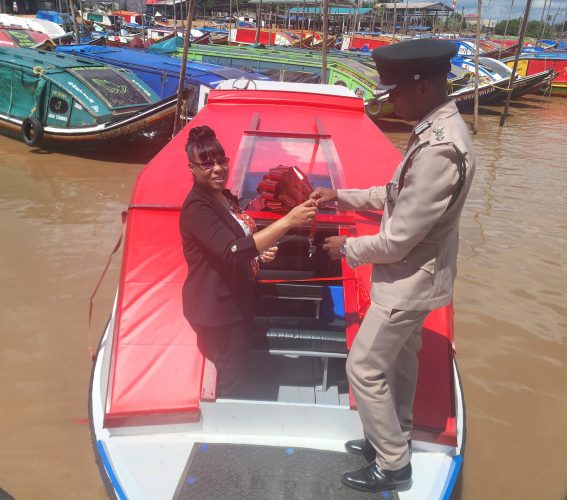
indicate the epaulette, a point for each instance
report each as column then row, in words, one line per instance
column 422, row 127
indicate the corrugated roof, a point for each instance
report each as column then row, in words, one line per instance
column 333, row 11
column 347, row 3
column 401, row 5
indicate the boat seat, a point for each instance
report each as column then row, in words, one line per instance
column 313, row 337
column 300, row 336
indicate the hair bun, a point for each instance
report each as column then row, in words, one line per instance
column 198, row 134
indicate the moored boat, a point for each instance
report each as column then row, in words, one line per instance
column 158, row 429
column 53, row 30
column 21, row 37
column 292, row 66
column 486, row 48
column 533, row 63
column 59, row 101
column 521, row 84
column 160, row 72
column 366, row 42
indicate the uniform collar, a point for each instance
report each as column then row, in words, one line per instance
column 445, row 110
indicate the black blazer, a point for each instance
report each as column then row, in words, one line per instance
column 219, row 289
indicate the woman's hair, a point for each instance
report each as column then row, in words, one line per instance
column 202, row 144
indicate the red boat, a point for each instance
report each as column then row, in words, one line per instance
column 159, row 431
column 534, row 63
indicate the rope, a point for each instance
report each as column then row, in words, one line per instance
column 114, row 250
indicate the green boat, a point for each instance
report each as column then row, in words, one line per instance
column 59, row 101
column 290, row 65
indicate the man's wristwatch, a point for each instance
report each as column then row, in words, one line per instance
column 342, row 249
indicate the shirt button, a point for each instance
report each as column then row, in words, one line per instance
column 405, row 260
column 233, row 248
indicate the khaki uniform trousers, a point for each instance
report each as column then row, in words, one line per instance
column 382, row 371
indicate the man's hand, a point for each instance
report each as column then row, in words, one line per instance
column 332, row 245
column 323, row 195
column 268, row 255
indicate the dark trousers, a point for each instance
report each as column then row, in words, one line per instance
column 227, row 347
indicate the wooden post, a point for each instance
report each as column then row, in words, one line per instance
column 476, row 75
column 325, row 34
column 174, row 17
column 229, row 21
column 543, row 12
column 181, row 86
column 143, row 23
column 395, row 19
column 545, row 20
column 522, row 35
column 302, row 21
column 74, row 17
column 552, row 34
column 258, row 21
column 506, row 29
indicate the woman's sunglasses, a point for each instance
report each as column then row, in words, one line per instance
column 208, row 165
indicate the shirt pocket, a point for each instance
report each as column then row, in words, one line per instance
column 423, row 256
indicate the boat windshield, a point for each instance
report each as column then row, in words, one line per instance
column 367, row 71
column 314, row 155
column 114, row 89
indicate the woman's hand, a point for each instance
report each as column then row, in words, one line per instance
column 268, row 255
column 301, row 214
column 323, row 195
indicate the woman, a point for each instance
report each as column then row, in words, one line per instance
column 222, row 249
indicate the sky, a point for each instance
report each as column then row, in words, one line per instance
column 499, row 9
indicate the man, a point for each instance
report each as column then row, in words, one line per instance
column 413, row 256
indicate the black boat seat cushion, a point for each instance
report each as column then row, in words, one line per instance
column 301, row 336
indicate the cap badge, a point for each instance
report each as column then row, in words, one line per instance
column 439, row 131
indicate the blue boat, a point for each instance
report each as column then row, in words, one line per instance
column 159, row 71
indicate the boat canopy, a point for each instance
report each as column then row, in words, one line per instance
column 168, row 46
column 100, row 89
column 157, row 70
column 20, row 37
column 156, row 373
column 61, row 18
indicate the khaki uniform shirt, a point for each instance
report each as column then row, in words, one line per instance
column 414, row 255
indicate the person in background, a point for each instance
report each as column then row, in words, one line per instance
column 413, row 256
column 222, row 249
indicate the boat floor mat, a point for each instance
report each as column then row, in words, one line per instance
column 248, row 472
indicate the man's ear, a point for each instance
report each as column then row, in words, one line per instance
column 425, row 88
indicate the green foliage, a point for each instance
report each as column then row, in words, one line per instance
column 535, row 28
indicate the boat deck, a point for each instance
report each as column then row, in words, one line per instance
column 148, row 462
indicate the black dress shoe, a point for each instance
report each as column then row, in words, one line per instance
column 361, row 447
column 364, row 448
column 373, row 478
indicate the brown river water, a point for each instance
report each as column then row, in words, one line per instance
column 60, row 219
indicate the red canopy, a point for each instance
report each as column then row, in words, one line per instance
column 17, row 37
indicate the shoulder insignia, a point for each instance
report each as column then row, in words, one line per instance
column 439, row 131
column 421, row 127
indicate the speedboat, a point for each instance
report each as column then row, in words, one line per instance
column 159, row 429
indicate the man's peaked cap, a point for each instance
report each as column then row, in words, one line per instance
column 413, row 60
